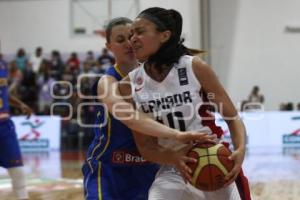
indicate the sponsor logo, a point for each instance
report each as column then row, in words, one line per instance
column 294, row 136
column 139, row 81
column 138, row 89
column 125, row 157
column 32, row 139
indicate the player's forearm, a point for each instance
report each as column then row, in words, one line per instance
column 138, row 121
column 122, row 109
column 238, row 133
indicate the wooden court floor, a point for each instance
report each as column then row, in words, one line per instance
column 274, row 174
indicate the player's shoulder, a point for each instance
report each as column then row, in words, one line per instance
column 137, row 72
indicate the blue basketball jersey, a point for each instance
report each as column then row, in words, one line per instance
column 10, row 154
column 4, row 103
column 114, row 169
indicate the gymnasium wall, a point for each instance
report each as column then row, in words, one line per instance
column 251, row 46
column 249, row 42
column 30, row 23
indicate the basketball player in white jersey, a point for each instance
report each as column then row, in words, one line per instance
column 180, row 91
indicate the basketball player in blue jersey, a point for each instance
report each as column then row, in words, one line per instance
column 181, row 91
column 10, row 155
column 114, row 169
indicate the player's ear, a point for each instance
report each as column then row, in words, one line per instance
column 165, row 36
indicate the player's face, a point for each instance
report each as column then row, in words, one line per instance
column 145, row 40
column 120, row 45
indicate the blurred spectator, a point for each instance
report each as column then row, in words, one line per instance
column 57, row 66
column 28, row 88
column 14, row 78
column 255, row 96
column 298, row 106
column 90, row 59
column 289, row 106
column 36, row 60
column 73, row 63
column 45, row 83
column 254, row 102
column 21, row 59
column 106, row 59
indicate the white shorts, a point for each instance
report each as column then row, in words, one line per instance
column 169, row 185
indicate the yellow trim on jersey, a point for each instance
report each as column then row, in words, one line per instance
column 99, row 182
column 95, row 148
column 117, row 68
column 108, row 135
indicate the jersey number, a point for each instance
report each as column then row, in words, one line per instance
column 171, row 117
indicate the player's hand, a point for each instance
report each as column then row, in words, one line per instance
column 195, row 136
column 238, row 157
column 26, row 110
column 180, row 161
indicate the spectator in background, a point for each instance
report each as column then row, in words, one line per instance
column 36, row 60
column 254, row 102
column 298, row 106
column 28, row 88
column 90, row 59
column 105, row 59
column 289, row 106
column 21, row 59
column 255, row 96
column 57, row 66
column 73, row 63
column 45, row 83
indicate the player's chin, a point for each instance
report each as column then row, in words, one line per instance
column 130, row 55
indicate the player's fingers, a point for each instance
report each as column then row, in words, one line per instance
column 186, row 176
column 190, row 160
column 185, row 167
column 232, row 174
column 187, row 148
column 230, row 180
column 185, row 171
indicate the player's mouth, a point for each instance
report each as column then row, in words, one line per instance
column 129, row 52
column 136, row 48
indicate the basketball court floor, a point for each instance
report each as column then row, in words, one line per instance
column 273, row 174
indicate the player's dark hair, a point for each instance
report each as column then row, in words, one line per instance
column 173, row 49
column 115, row 22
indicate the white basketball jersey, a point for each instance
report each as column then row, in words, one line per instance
column 177, row 101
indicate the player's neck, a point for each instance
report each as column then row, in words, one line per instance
column 157, row 74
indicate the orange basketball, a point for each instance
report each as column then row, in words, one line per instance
column 212, row 166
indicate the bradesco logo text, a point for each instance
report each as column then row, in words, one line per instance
column 294, row 136
column 124, row 157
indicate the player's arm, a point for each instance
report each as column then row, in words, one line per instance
column 150, row 149
column 13, row 101
column 109, row 92
column 211, row 84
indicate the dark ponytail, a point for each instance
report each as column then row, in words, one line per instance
column 170, row 52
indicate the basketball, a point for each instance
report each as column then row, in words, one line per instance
column 213, row 164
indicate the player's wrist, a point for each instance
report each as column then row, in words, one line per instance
column 177, row 135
